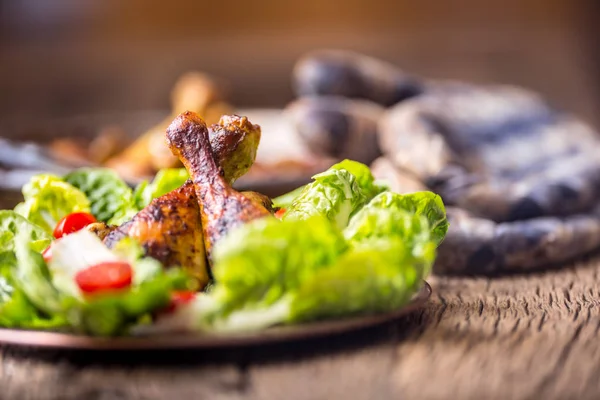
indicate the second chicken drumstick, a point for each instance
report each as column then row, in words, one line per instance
column 222, row 208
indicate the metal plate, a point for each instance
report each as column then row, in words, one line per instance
column 53, row 340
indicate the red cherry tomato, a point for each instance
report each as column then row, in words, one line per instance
column 178, row 299
column 182, row 297
column 279, row 213
column 105, row 277
column 73, row 223
column 47, row 254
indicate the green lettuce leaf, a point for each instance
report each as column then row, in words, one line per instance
column 16, row 311
column 286, row 200
column 34, row 278
column 364, row 178
column 165, row 181
column 385, row 213
column 48, row 199
column 111, row 199
column 392, row 243
column 29, row 297
column 378, row 276
column 261, row 261
column 334, row 194
column 361, row 172
column 12, row 224
column 369, row 279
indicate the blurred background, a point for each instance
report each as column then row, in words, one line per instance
column 67, row 57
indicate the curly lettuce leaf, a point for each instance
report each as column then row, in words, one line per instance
column 111, row 199
column 392, row 249
column 385, row 213
column 362, row 174
column 364, row 178
column 48, row 199
column 165, row 181
column 377, row 277
column 33, row 278
column 286, row 200
column 369, row 279
column 334, row 194
column 261, row 261
column 12, row 224
column 16, row 311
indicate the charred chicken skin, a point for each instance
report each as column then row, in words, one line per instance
column 170, row 228
column 221, row 207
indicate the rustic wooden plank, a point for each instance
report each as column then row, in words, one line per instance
column 519, row 337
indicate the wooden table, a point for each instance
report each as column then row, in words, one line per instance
column 516, row 337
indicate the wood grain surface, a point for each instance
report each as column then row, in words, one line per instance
column 516, row 337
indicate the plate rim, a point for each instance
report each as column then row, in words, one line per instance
column 73, row 342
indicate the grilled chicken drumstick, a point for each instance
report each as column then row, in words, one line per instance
column 169, row 228
column 221, row 207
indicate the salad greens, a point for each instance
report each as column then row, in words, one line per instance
column 100, row 191
column 49, row 198
column 286, row 200
column 12, row 223
column 116, row 313
column 16, row 309
column 363, row 176
column 110, row 198
column 426, row 204
column 361, row 173
column 45, row 295
column 165, row 181
column 257, row 264
column 332, row 280
column 365, row 280
column 346, row 245
column 335, row 194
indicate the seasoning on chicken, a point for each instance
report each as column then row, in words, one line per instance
column 260, row 199
column 221, row 207
column 101, row 229
column 234, row 143
column 169, row 228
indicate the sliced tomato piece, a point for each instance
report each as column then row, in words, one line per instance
column 105, row 277
column 182, row 297
column 179, row 298
column 279, row 213
column 73, row 223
